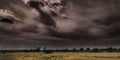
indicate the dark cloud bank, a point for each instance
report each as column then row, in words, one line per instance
column 87, row 23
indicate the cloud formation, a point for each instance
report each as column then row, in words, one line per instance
column 85, row 22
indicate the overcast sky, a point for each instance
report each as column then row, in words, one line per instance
column 86, row 23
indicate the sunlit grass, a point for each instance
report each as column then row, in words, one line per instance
column 59, row 56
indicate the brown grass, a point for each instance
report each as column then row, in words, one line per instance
column 60, row 56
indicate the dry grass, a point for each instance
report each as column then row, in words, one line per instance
column 60, row 56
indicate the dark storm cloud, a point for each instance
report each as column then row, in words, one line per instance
column 90, row 19
column 85, row 22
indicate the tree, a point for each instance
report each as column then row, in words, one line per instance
column 88, row 50
column 95, row 50
column 38, row 49
column 110, row 49
column 81, row 49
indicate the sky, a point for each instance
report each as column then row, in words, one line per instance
column 82, row 23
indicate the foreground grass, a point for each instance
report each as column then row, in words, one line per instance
column 59, row 56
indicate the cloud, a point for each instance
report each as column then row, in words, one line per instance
column 82, row 22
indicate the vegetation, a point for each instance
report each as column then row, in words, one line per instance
column 49, row 51
column 60, row 56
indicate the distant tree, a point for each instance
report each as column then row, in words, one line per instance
column 110, row 49
column 66, row 50
column 118, row 50
column 74, row 50
column 38, row 49
column 81, row 49
column 88, row 50
column 45, row 49
column 95, row 50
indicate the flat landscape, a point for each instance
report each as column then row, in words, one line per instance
column 59, row 56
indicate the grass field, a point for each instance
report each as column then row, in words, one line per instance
column 59, row 56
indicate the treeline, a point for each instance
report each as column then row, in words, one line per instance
column 110, row 49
